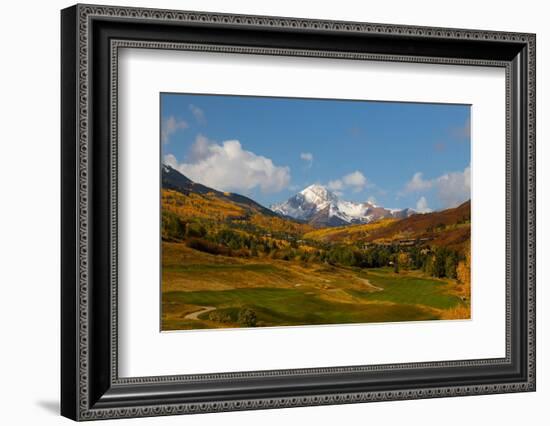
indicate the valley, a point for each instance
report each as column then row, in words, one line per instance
column 229, row 262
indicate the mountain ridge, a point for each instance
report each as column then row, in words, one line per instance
column 173, row 179
column 447, row 228
column 315, row 205
column 320, row 207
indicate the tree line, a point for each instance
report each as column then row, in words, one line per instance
column 438, row 262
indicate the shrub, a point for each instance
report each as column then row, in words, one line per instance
column 218, row 316
column 173, row 228
column 247, row 317
column 195, row 230
column 208, row 247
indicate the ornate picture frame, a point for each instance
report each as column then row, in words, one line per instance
column 91, row 37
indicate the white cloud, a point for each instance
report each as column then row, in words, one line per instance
column 372, row 200
column 355, row 180
column 452, row 188
column 200, row 149
column 335, row 185
column 417, row 183
column 307, row 157
column 169, row 126
column 171, row 160
column 228, row 167
column 422, row 205
column 198, row 113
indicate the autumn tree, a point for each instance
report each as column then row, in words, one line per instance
column 396, row 264
column 403, row 259
column 451, row 263
column 463, row 270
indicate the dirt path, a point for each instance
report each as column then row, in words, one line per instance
column 368, row 284
column 202, row 310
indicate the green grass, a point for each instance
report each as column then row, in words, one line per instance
column 401, row 288
column 275, row 306
column 327, row 295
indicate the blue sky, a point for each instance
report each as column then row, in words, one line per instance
column 391, row 153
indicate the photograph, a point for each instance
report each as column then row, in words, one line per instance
column 281, row 211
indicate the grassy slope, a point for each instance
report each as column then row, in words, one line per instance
column 349, row 233
column 277, row 307
column 441, row 228
column 291, row 293
column 288, row 293
column 210, row 207
column 410, row 288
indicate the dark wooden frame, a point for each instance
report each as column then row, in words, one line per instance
column 90, row 386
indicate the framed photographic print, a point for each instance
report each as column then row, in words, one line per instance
column 263, row 212
column 315, row 258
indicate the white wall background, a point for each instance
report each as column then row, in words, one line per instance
column 29, row 214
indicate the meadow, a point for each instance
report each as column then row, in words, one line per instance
column 228, row 262
column 203, row 291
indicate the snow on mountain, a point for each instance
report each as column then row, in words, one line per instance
column 321, row 207
column 319, row 195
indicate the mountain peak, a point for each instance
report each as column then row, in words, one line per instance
column 319, row 206
column 318, row 194
column 315, row 187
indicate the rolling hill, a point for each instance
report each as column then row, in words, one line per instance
column 186, row 201
column 192, row 201
column 172, row 179
column 450, row 228
column 229, row 262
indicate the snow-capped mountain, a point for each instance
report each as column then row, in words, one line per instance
column 321, row 207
